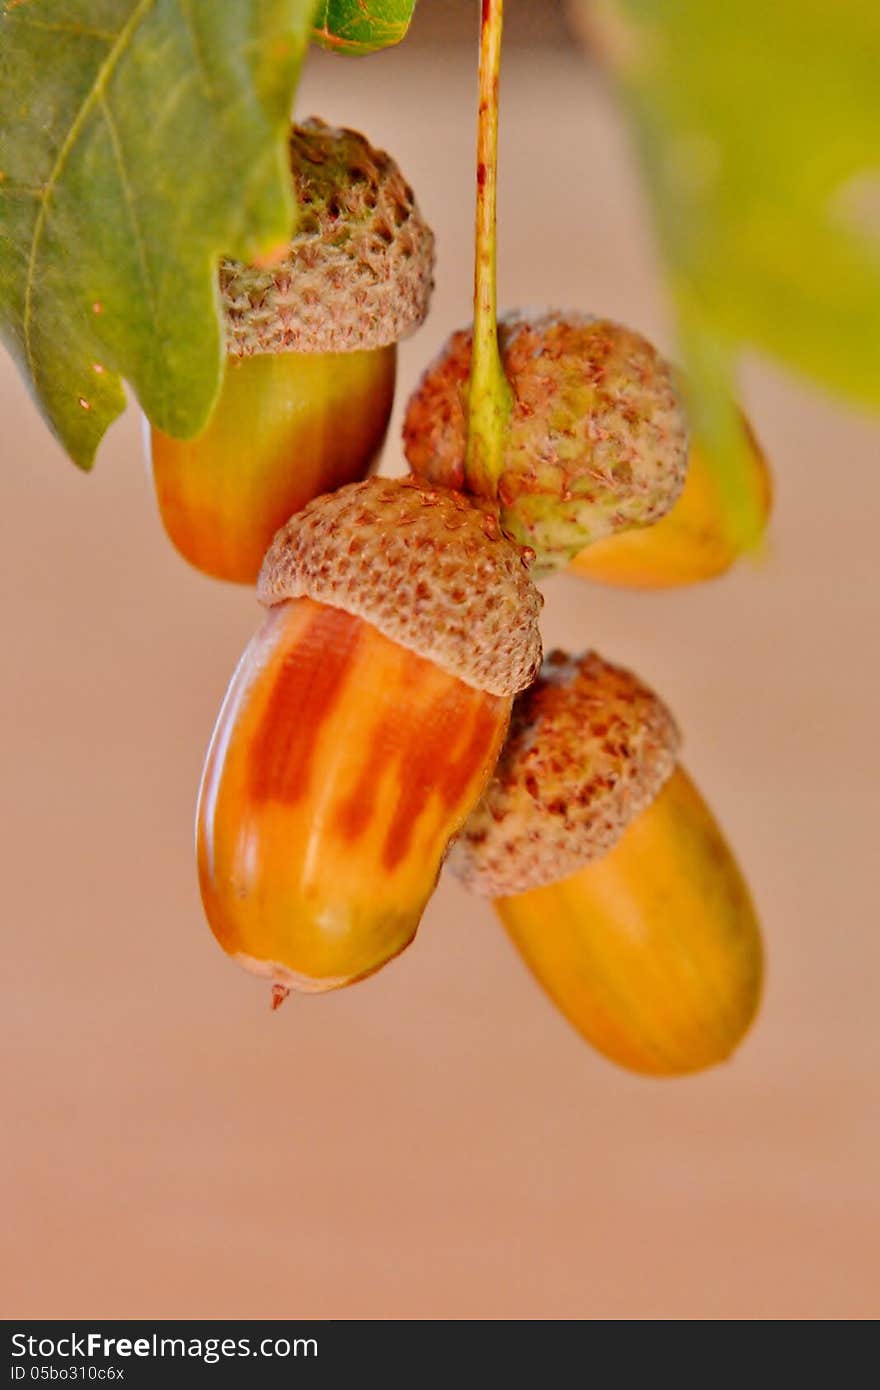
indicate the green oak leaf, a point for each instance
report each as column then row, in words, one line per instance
column 139, row 141
column 758, row 126
column 361, row 26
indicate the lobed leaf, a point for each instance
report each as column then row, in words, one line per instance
column 139, row 141
column 361, row 26
column 758, row 127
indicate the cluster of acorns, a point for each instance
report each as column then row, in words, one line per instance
column 392, row 713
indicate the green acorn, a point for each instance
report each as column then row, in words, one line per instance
column 597, row 441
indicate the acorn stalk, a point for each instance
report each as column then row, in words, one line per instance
column 311, row 347
column 489, row 397
column 360, row 728
column 611, row 875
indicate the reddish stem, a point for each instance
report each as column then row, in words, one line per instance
column 490, row 399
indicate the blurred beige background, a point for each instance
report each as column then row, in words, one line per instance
column 435, row 1142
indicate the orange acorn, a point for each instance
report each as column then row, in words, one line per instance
column 360, row 728
column 311, row 357
column 611, row 875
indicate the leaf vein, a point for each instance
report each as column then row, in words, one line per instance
column 130, row 203
column 84, row 31
column 201, row 61
column 94, row 95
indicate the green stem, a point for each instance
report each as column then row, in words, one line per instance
column 490, row 399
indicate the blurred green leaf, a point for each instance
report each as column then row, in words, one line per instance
column 139, row 140
column 759, row 130
column 361, row 26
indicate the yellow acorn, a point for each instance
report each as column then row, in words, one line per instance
column 360, row 728
column 691, row 543
column 311, row 357
column 612, row 876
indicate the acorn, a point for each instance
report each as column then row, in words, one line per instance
column 596, row 443
column 360, row 728
column 611, row 875
column 311, row 347
column 693, row 542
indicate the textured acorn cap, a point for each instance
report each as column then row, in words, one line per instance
column 589, row 748
column 425, row 566
column 358, row 272
column 597, row 439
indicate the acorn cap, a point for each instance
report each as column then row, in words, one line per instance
column 358, row 272
column 425, row 566
column 597, row 440
column 589, row 748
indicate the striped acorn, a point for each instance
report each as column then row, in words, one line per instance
column 360, row 728
column 611, row 875
column 596, row 443
column 311, row 348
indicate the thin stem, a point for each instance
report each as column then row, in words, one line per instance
column 490, row 399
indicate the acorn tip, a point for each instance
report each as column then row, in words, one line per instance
column 279, row 994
